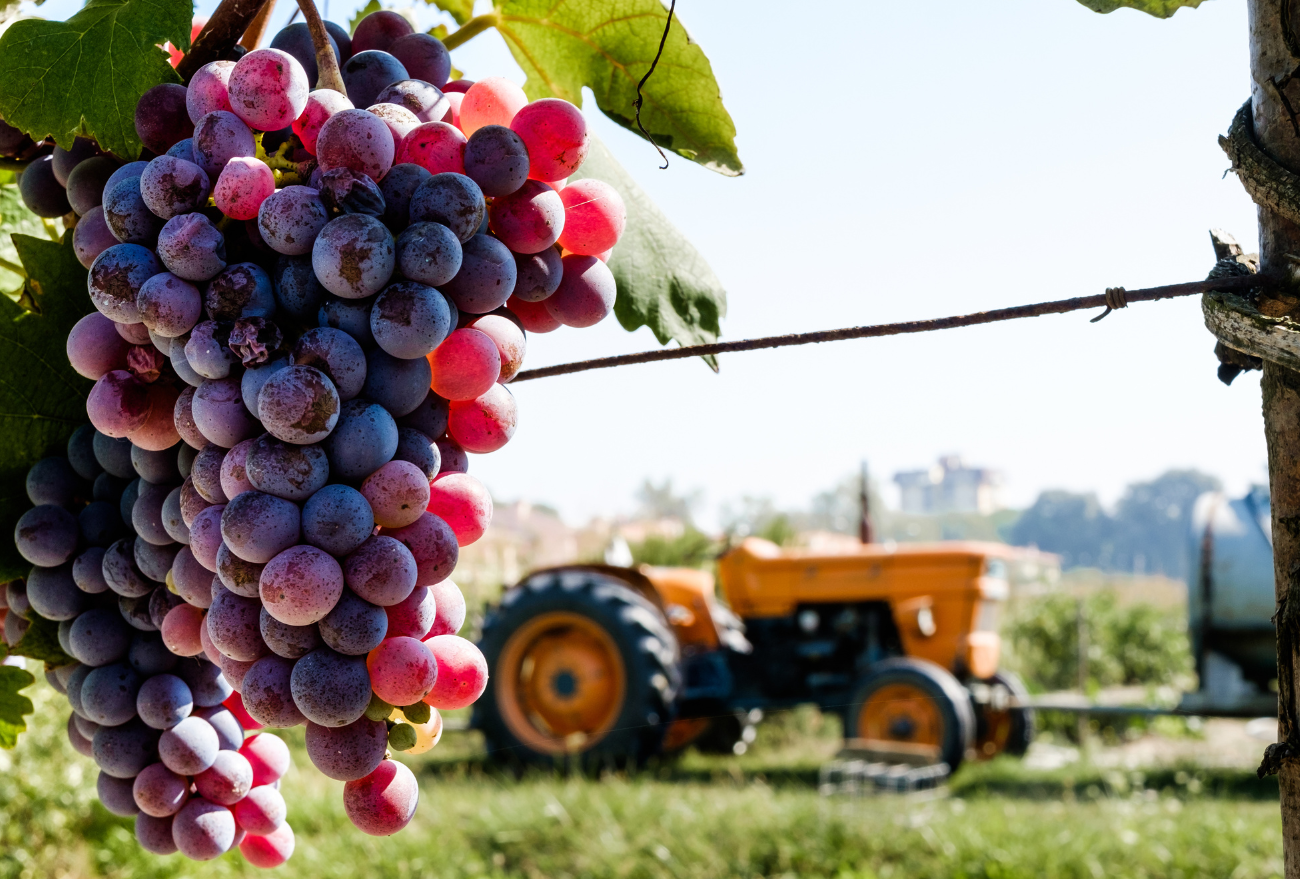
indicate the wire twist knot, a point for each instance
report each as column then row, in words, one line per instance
column 1116, row 298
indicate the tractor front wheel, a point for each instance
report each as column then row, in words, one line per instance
column 912, row 707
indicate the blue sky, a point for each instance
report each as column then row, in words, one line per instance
column 904, row 161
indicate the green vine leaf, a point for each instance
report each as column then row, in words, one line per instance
column 663, row 281
column 607, row 45
column 460, row 11
column 14, row 707
column 42, row 399
column 14, row 217
column 41, row 642
column 1158, row 8
column 84, row 76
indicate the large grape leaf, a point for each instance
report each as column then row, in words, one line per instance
column 1158, row 8
column 42, row 400
column 14, row 217
column 84, row 76
column 460, row 11
column 14, row 706
column 663, row 281
column 607, row 45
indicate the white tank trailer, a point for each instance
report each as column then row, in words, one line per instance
column 1231, row 604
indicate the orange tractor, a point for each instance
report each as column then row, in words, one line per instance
column 601, row 665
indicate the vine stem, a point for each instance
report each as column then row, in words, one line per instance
column 471, row 29
column 223, row 30
column 257, row 30
column 12, row 267
column 330, row 76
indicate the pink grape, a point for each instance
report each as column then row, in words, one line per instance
column 118, row 403
column 226, row 781
column 346, row 753
column 450, row 609
column 594, row 217
column 94, row 346
column 555, row 133
column 203, row 830
column 205, row 536
column 384, row 801
column 586, row 293
column 321, row 105
column 463, row 503
column 397, row 493
column 220, row 415
column 299, row 405
column 402, row 670
column 261, row 811
column 379, row 30
column 454, row 101
column 209, row 90
column 509, row 339
column 301, row 585
column 159, row 792
column 269, row 757
column 400, row 122
column 268, row 89
column 465, row 365
column 267, row 693
column 533, row 315
column 491, row 101
column 242, row 187
column 183, row 416
column 381, row 571
column 358, row 140
column 415, row 615
column 135, row 333
column 234, row 477
column 485, row 423
column 193, row 581
column 219, row 137
column 462, row 672
column 436, row 147
column 433, row 545
column 528, row 220
column 91, row 237
column 180, row 630
column 268, row 851
column 158, row 432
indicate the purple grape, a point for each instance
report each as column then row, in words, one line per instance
column 207, row 351
column 182, row 149
column 189, row 747
column 220, row 415
column 233, row 626
column 337, row 355
column 99, row 637
column 331, row 689
column 205, row 681
column 114, row 455
column 53, row 481
column 161, row 602
column 267, row 693
column 453, row 200
column 250, row 386
column 116, row 277
column 400, row 386
column 160, row 117
column 203, row 830
column 238, row 576
column 101, row 524
column 355, row 626
column 229, row 733
column 87, row 570
column 423, row 57
column 409, row 320
column 486, row 278
column 352, row 316
column 159, row 792
column 337, row 519
column 364, row 440
column 423, row 99
column 429, row 417
column 258, row 526
column 155, row 561
column 354, row 256
column 382, row 571
column 193, row 581
column 65, row 161
column 295, row 39
column 291, row 219
column 398, row 185
column 146, row 513
column 108, row 694
column 369, row 72
column 136, row 612
column 155, row 834
column 168, row 305
column 351, row 192
column 297, row 292
column 46, row 535
column 497, row 160
column 54, row 593
column 149, row 656
column 127, row 215
column 287, row 470
column 241, row 290
column 171, row 187
column 156, row 467
column 346, row 753
column 291, row 642
column 205, row 536
column 116, row 795
column 130, row 169
column 219, row 137
column 300, row 585
column 538, row 275
column 127, row 502
column 92, row 236
column 299, row 405
column 163, row 701
column 191, row 247
column 43, row 195
column 429, row 253
column 124, row 751
column 86, row 183
column 416, row 448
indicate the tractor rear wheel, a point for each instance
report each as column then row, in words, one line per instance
column 1003, row 724
column 585, row 673
column 912, row 706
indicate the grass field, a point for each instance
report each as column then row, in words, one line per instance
column 757, row 815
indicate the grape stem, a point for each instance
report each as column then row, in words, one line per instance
column 471, row 29
column 12, row 267
column 326, row 62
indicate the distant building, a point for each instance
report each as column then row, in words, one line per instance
column 949, row 487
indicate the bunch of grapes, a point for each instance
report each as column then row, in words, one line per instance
column 306, row 316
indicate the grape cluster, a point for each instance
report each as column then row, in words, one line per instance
column 166, row 730
column 306, row 315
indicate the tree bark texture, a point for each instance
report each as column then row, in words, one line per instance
column 1275, row 97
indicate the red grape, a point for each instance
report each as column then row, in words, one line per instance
column 268, row 851
column 398, row 493
column 158, row 432
column 268, row 755
column 485, row 423
column 180, row 630
column 465, row 365
column 533, row 315
column 434, row 146
column 321, row 105
column 528, row 220
column 462, row 672
column 594, row 217
column 402, row 670
column 555, row 133
column 450, row 614
column 268, row 89
column 261, row 811
column 119, row 403
column 209, row 90
column 491, row 101
column 432, row 543
column 463, row 503
column 509, row 339
column 586, row 293
column 384, row 801
column 415, row 615
column 242, row 187
column 358, row 140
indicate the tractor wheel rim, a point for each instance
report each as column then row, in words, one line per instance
column 901, row 713
column 560, row 683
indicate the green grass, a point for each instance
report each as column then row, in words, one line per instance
column 758, row 815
